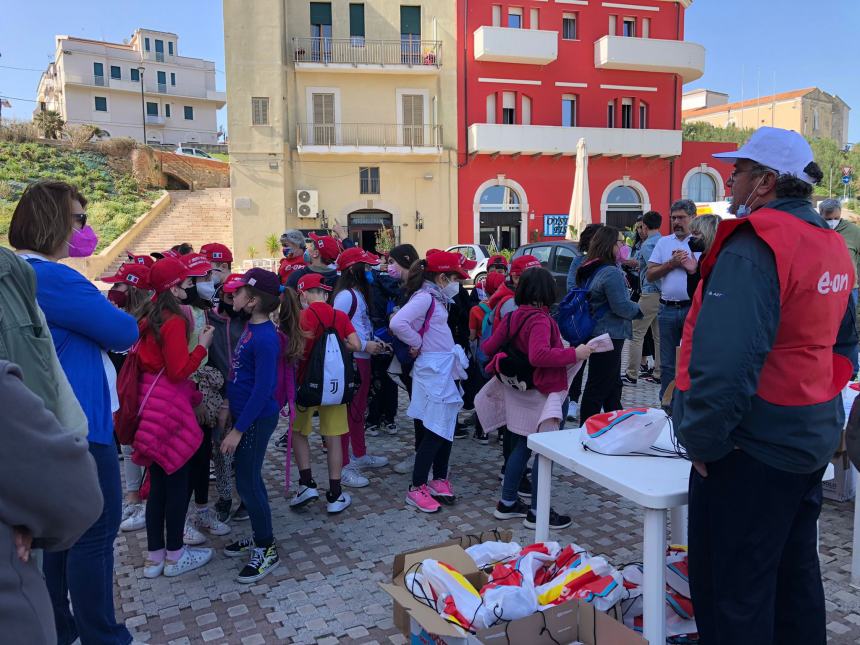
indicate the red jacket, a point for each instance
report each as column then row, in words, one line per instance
column 538, row 337
column 290, row 264
column 496, row 301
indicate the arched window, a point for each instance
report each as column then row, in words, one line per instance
column 623, row 206
column 500, row 199
column 702, row 188
column 500, row 217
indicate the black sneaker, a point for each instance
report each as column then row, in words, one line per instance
column 556, row 521
column 645, row 371
column 515, row 510
column 239, row 548
column 653, row 379
column 240, row 514
column 281, row 442
column 263, row 562
column 222, row 509
column 525, row 489
column 628, row 381
column 460, row 431
column 481, row 436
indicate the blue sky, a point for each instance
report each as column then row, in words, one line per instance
column 803, row 44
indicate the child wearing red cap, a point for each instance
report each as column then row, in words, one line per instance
column 320, row 257
column 352, row 296
column 422, row 323
column 317, row 314
column 168, row 434
column 251, row 390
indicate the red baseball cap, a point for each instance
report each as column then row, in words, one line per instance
column 145, row 260
column 261, row 279
column 493, row 282
column 230, row 279
column 166, row 273
column 215, row 252
column 328, row 247
column 524, row 262
column 445, row 262
column 497, row 259
column 198, row 266
column 353, row 256
column 169, row 253
column 433, row 252
column 312, row 280
column 135, row 275
column 466, row 264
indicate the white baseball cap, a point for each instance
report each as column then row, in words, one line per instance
column 784, row 151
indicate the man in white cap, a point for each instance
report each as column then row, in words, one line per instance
column 765, row 354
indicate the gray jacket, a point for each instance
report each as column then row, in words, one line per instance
column 610, row 301
column 49, row 486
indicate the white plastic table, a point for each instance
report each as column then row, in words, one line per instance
column 658, row 485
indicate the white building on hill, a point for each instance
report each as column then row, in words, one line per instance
column 124, row 88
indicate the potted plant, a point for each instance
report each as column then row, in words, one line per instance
column 273, row 245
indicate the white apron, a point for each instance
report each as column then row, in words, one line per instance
column 436, row 398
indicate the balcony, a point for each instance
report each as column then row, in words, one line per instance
column 154, row 119
column 369, row 138
column 220, row 97
column 368, row 56
column 506, row 45
column 495, row 139
column 100, row 80
column 651, row 55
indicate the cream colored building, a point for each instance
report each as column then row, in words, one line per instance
column 342, row 113
column 810, row 111
column 99, row 83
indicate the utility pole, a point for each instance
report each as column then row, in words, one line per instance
column 141, row 69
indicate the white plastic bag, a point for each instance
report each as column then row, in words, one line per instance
column 488, row 553
column 623, row 432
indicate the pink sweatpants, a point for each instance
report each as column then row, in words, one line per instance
column 356, row 411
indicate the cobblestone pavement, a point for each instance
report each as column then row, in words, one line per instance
column 326, row 589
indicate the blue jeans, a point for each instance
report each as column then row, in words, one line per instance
column 85, row 572
column 249, row 478
column 853, row 304
column 515, row 468
column 671, row 329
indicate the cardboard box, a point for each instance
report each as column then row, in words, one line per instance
column 565, row 623
column 843, row 486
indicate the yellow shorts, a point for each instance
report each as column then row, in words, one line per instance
column 333, row 421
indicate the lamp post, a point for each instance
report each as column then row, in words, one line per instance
column 141, row 69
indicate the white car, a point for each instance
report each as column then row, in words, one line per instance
column 191, row 152
column 479, row 254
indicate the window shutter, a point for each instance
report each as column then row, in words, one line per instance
column 320, row 13
column 410, row 20
column 356, row 19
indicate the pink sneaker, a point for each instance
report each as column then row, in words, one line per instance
column 420, row 498
column 440, row 488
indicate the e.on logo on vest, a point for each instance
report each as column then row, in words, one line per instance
column 837, row 283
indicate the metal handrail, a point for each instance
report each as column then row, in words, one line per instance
column 369, row 134
column 360, row 51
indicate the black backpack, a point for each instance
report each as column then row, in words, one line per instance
column 514, row 368
column 331, row 377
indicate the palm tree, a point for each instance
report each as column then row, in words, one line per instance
column 50, row 123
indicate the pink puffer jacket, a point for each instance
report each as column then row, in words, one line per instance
column 168, row 433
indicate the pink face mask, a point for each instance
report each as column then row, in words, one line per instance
column 84, row 241
column 622, row 253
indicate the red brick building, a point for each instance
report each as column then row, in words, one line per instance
column 538, row 75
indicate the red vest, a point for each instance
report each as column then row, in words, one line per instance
column 815, row 281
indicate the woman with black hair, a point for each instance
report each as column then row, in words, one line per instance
column 352, row 296
column 613, row 311
column 531, row 331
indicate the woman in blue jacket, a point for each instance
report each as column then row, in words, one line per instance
column 613, row 311
column 50, row 224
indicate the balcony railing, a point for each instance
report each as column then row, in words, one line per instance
column 159, row 57
column 154, row 119
column 359, row 51
column 162, row 88
column 368, row 136
column 99, row 80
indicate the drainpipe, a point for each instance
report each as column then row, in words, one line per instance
column 675, row 107
column 465, row 82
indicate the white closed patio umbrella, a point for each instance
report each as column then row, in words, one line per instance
column 580, row 201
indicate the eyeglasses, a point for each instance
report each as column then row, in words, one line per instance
column 678, row 218
column 81, row 218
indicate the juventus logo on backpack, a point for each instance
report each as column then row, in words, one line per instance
column 331, row 377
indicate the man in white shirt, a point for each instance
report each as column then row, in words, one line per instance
column 670, row 263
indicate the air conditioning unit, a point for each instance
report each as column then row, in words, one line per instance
column 308, row 202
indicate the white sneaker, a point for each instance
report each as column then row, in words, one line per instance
column 153, row 569
column 135, row 520
column 572, row 411
column 304, row 495
column 404, row 467
column 391, row 428
column 340, row 503
column 127, row 510
column 352, row 478
column 370, row 461
column 191, row 536
column 191, row 559
column 204, row 519
column 372, row 431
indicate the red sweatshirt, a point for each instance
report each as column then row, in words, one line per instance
column 172, row 352
column 540, row 340
column 503, row 293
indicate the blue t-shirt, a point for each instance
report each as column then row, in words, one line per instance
column 254, row 375
column 643, row 255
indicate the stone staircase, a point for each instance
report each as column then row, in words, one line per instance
column 196, row 217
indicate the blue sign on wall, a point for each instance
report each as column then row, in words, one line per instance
column 846, row 179
column 554, row 225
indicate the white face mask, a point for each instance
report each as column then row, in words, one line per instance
column 206, row 290
column 745, row 209
column 451, row 289
column 833, row 223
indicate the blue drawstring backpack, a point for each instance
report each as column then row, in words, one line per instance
column 574, row 316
